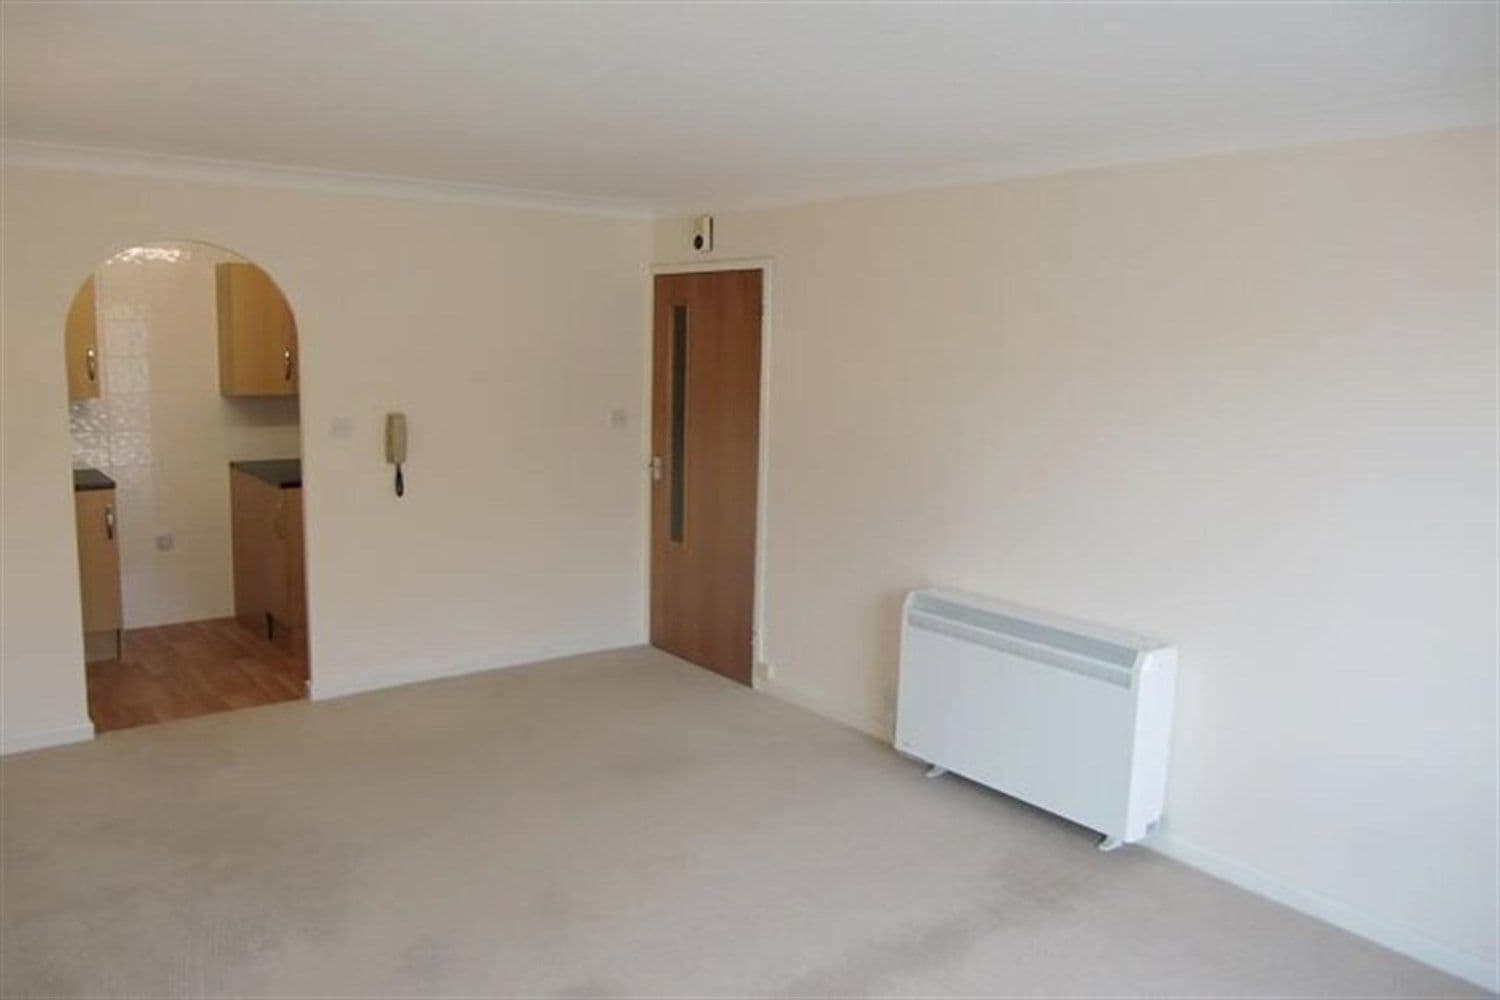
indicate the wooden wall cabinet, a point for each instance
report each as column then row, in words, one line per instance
column 81, row 339
column 270, row 593
column 257, row 334
column 99, row 564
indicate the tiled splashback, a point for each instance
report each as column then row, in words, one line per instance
column 114, row 429
column 161, row 430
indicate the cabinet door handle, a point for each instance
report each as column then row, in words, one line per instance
column 286, row 364
column 109, row 522
column 91, row 364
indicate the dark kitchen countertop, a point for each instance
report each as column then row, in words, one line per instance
column 91, row 479
column 285, row 473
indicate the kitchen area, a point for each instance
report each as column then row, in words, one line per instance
column 183, row 383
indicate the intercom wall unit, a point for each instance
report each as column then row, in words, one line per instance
column 395, row 447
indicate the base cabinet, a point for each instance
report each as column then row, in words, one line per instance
column 99, row 571
column 270, row 595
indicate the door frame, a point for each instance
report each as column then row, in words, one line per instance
column 764, row 265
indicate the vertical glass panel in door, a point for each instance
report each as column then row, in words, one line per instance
column 678, row 483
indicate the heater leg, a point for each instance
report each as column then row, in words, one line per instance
column 1110, row 843
column 936, row 771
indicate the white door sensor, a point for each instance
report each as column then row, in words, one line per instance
column 703, row 233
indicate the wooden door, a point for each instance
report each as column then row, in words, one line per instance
column 81, row 337
column 257, row 334
column 98, row 559
column 705, row 446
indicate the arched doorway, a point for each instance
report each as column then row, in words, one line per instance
column 184, row 388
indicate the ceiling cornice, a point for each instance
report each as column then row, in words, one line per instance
column 1145, row 150
column 94, row 159
column 1148, row 149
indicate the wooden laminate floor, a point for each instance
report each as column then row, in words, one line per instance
column 177, row 671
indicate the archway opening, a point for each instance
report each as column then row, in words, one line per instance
column 184, row 384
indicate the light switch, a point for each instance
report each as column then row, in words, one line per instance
column 618, row 417
column 341, row 428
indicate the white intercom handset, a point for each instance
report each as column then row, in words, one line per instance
column 395, row 446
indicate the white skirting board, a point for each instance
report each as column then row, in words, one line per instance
column 1399, row 939
column 880, row 729
column 48, row 738
column 322, row 689
column 1409, row 943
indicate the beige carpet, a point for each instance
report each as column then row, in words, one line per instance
column 609, row 825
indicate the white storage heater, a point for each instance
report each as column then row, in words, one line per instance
column 1072, row 717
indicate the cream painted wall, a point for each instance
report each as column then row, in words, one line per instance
column 1248, row 403
column 506, row 334
column 166, row 435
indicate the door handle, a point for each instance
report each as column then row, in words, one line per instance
column 656, row 468
column 286, row 364
column 91, row 364
column 109, row 522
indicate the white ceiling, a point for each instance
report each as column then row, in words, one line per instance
column 668, row 106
